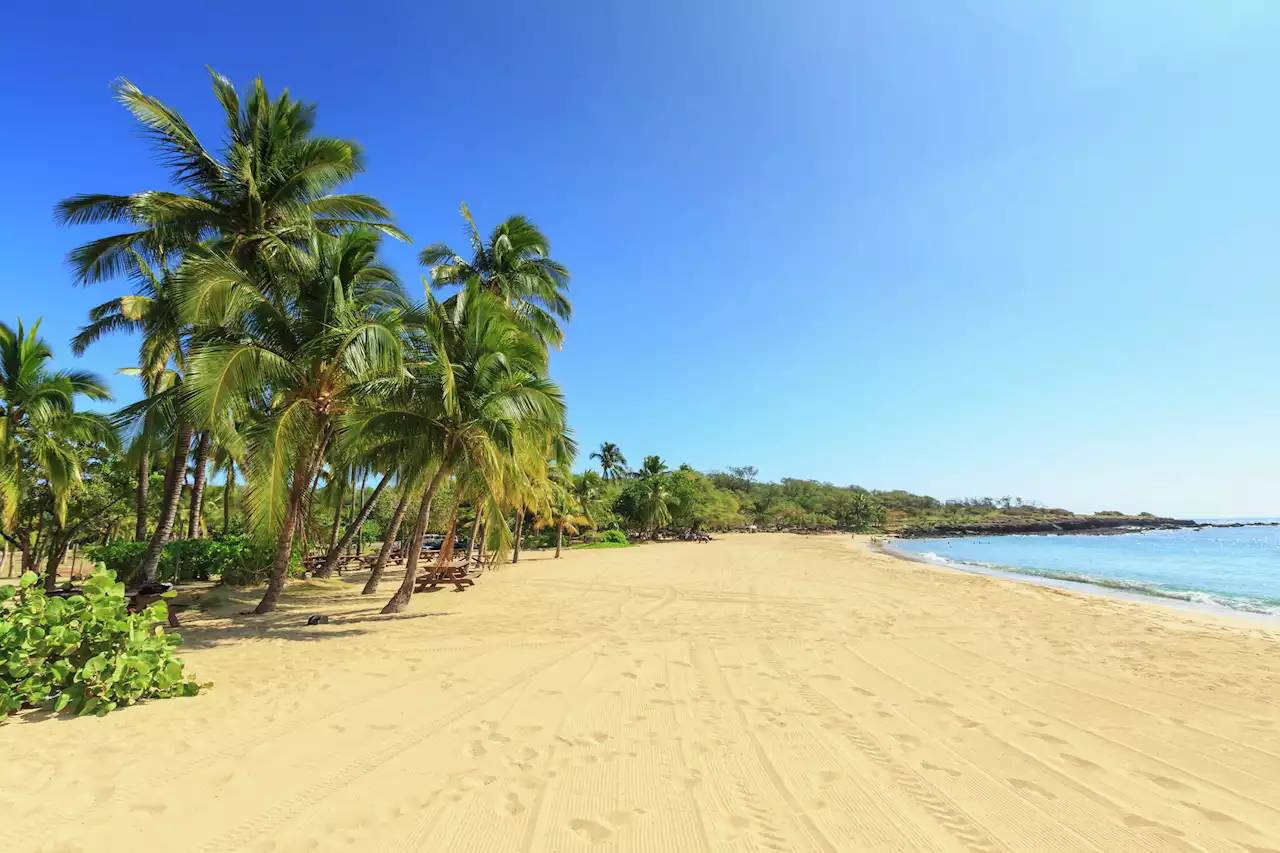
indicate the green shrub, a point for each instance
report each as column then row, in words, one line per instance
column 238, row 560
column 617, row 537
column 87, row 653
column 121, row 557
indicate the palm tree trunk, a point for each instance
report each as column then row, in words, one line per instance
column 356, row 497
column 173, row 481
column 226, row 496
column 559, row 539
column 197, row 485
column 515, row 553
column 144, row 475
column 388, row 542
column 308, row 456
column 400, row 600
column 475, row 529
column 335, row 550
column 450, row 537
column 364, row 481
column 337, row 514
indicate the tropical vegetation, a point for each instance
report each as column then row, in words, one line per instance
column 299, row 401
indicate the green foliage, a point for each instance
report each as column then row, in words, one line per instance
column 121, row 558
column 238, row 560
column 86, row 653
column 614, row 537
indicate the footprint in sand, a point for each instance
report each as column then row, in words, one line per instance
column 1164, row 781
column 1134, row 821
column 1214, row 816
column 590, row 830
column 1080, row 762
column 1048, row 737
column 949, row 771
column 1024, row 785
column 513, row 805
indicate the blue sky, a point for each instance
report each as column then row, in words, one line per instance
column 961, row 248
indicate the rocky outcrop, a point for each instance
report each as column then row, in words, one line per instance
column 1098, row 524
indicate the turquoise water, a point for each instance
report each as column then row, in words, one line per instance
column 1236, row 568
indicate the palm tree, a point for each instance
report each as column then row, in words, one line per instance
column 261, row 201
column 289, row 355
column 560, row 509
column 514, row 264
column 653, row 467
column 586, row 488
column 152, row 312
column 654, row 511
column 477, row 381
column 40, row 429
column 389, row 539
column 261, row 197
column 612, row 463
column 35, row 399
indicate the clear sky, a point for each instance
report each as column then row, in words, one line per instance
column 968, row 247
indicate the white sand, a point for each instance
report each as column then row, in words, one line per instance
column 756, row 693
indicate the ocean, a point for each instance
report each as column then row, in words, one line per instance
column 1232, row 568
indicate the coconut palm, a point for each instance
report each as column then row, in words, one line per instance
column 40, row 430
column 37, row 402
column 389, row 538
column 288, row 355
column 261, row 197
column 513, row 264
column 612, row 463
column 586, row 489
column 152, row 313
column 561, row 510
column 653, row 467
column 653, row 509
column 477, row 381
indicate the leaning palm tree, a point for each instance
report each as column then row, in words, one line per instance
column 151, row 313
column 286, row 362
column 612, row 463
column 513, row 264
column 257, row 202
column 477, row 381
column 260, row 197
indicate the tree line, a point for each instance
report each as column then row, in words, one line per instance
column 275, row 343
column 279, row 353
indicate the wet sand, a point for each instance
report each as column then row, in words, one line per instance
column 763, row 692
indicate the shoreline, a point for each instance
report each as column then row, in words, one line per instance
column 1085, row 587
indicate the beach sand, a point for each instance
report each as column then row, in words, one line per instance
column 764, row 692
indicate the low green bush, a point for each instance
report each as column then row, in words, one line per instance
column 86, row 653
column 238, row 560
column 121, row 557
column 617, row 537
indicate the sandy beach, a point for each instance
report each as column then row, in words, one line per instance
column 764, row 692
